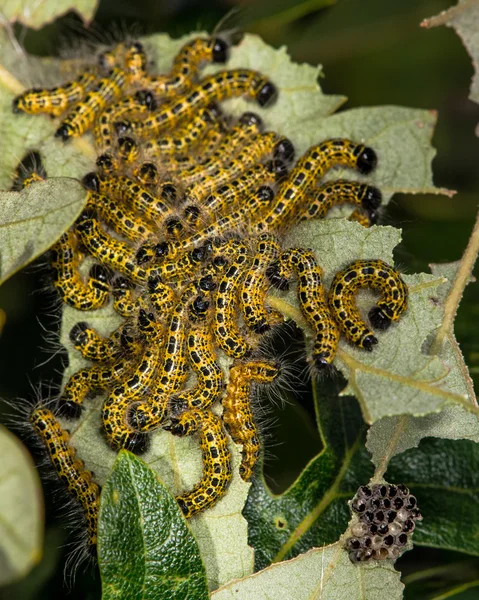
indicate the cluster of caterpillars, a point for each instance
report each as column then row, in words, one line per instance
column 183, row 225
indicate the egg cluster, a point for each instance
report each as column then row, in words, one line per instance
column 183, row 225
column 387, row 518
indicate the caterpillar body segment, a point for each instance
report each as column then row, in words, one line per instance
column 248, row 127
column 379, row 276
column 230, row 195
column 234, row 221
column 188, row 136
column 237, row 413
column 161, row 297
column 172, row 372
column 92, row 345
column 134, row 195
column 56, row 100
column 125, row 302
column 216, row 457
column 137, row 106
column 186, row 66
column 85, row 112
column 203, row 360
column 215, row 88
column 118, row 432
column 311, row 167
column 335, row 193
column 255, row 285
column 149, row 329
column 123, row 220
column 70, row 469
column 225, row 328
column 260, row 147
column 68, row 282
column 107, row 249
column 312, row 299
column 205, row 147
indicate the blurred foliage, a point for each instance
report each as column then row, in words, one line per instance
column 374, row 52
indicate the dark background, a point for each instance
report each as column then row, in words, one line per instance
column 372, row 51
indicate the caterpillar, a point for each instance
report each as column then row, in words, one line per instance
column 190, row 134
column 67, row 281
column 216, row 457
column 379, row 276
column 123, row 220
column 124, row 302
column 115, row 407
column 84, row 381
column 237, row 414
column 133, row 194
column 55, row 101
column 186, row 66
column 335, row 193
column 92, row 345
column 225, row 329
column 312, row 299
column 255, row 285
column 202, row 358
column 216, row 88
column 70, row 469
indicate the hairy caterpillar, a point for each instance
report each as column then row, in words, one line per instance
column 379, row 276
column 237, row 413
column 70, row 470
column 216, row 460
column 312, row 299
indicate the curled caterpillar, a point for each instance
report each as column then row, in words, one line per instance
column 379, row 276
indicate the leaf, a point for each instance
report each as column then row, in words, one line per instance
column 314, row 510
column 391, row 436
column 21, row 510
column 325, row 573
column 444, row 476
column 33, row 219
column 464, row 18
column 37, row 14
column 145, row 548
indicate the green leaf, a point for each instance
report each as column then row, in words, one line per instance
column 325, row 573
column 464, row 18
column 33, row 219
column 444, row 476
column 21, row 510
column 37, row 14
column 314, row 510
column 390, row 436
column 145, row 548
